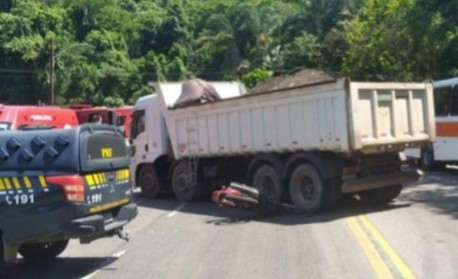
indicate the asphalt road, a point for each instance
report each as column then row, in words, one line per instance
column 414, row 237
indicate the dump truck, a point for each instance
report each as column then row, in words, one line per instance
column 309, row 144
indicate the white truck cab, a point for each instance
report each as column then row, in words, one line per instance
column 148, row 137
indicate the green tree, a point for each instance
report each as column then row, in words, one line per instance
column 28, row 30
column 380, row 42
column 254, row 77
column 433, row 25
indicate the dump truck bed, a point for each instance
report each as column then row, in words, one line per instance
column 339, row 116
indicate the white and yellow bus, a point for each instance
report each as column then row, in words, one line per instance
column 445, row 148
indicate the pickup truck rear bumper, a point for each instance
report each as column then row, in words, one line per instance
column 96, row 226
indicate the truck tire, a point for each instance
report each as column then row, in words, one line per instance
column 181, row 182
column 148, row 182
column 381, row 196
column 42, row 252
column 306, row 188
column 267, row 181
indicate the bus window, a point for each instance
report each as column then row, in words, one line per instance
column 454, row 102
column 441, row 99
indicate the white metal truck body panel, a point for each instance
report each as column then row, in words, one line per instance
column 338, row 117
column 152, row 142
column 391, row 113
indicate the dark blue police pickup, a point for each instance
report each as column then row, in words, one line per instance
column 61, row 184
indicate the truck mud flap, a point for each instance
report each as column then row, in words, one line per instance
column 380, row 181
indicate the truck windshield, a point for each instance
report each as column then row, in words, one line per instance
column 4, row 126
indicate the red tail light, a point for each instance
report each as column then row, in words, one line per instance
column 73, row 186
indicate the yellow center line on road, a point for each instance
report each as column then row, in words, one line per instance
column 387, row 248
column 379, row 266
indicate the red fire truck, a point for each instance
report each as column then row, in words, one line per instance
column 121, row 116
column 15, row 117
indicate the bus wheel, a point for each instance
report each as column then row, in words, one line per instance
column 427, row 158
column 266, row 180
column 306, row 188
column 148, row 182
column 182, row 184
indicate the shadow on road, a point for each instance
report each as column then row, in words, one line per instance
column 202, row 207
column 349, row 208
column 439, row 191
column 222, row 216
column 69, row 268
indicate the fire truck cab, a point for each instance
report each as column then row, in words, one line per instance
column 119, row 117
column 15, row 117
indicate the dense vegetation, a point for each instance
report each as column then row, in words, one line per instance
column 105, row 51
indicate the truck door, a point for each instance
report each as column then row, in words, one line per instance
column 138, row 138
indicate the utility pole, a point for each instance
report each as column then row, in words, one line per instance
column 52, row 70
column 54, row 57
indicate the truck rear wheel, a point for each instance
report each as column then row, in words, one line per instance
column 39, row 252
column 181, row 182
column 266, row 180
column 306, row 188
column 148, row 182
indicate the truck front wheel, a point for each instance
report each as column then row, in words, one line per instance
column 148, row 182
column 306, row 188
column 43, row 251
column 182, row 184
column 266, row 180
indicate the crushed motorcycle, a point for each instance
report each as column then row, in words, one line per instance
column 242, row 196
